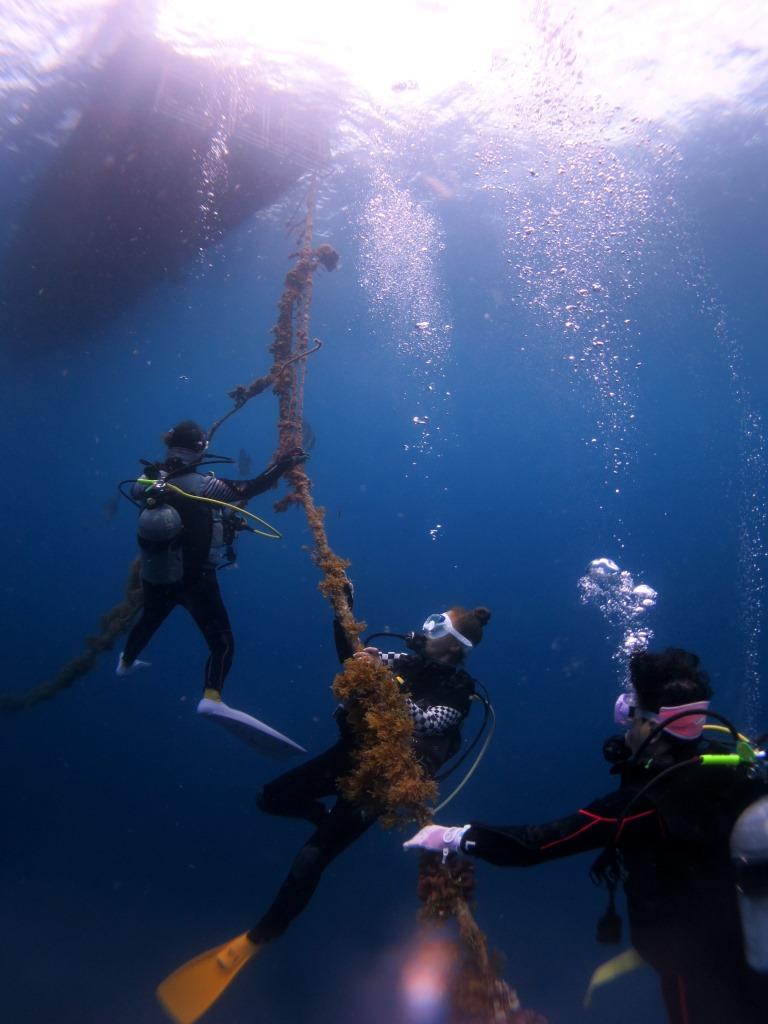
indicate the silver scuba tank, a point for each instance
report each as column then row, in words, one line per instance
column 159, row 534
column 749, row 855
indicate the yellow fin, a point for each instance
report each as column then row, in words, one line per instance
column 612, row 969
column 196, row 985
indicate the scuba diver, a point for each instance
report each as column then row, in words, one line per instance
column 696, row 886
column 438, row 693
column 187, row 530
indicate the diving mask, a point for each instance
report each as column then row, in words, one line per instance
column 624, row 709
column 687, row 719
column 439, row 625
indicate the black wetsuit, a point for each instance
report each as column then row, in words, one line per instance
column 204, row 547
column 438, row 700
column 681, row 898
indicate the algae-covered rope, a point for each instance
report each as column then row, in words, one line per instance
column 245, row 392
column 478, row 994
column 386, row 775
column 115, row 622
column 289, row 349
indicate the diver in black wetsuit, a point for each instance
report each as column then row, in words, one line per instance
column 438, row 692
column 665, row 832
column 183, row 542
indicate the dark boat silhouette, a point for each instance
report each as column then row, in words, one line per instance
column 168, row 154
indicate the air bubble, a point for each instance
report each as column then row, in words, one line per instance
column 622, row 603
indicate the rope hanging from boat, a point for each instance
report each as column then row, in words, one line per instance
column 386, row 774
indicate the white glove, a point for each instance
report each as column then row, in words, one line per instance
column 438, row 839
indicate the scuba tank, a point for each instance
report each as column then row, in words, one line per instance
column 159, row 535
column 749, row 855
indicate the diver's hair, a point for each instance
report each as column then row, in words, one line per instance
column 470, row 624
column 186, row 434
column 668, row 679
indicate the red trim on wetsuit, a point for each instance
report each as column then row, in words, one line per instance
column 683, row 1000
column 596, row 819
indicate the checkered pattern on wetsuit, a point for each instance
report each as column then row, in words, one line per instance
column 434, row 720
column 430, row 721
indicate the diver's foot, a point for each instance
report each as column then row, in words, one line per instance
column 247, row 728
column 126, row 669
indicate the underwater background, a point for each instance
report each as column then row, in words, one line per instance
column 545, row 343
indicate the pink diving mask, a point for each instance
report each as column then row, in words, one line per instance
column 688, row 727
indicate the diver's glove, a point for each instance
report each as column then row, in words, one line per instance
column 293, row 457
column 269, row 478
column 124, row 669
column 438, row 839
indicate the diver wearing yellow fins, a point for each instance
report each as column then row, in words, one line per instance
column 188, row 524
column 687, row 834
column 438, row 694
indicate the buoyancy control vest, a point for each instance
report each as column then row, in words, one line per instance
column 179, row 537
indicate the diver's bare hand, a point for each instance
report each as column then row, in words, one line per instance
column 368, row 653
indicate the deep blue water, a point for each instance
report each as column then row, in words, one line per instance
column 131, row 840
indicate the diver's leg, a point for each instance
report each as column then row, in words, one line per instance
column 716, row 987
column 296, row 793
column 202, row 599
column 343, row 826
column 159, row 602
